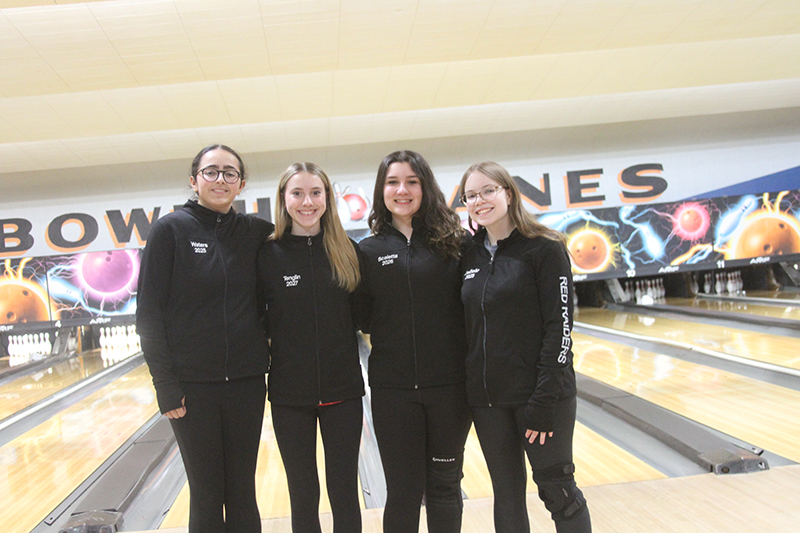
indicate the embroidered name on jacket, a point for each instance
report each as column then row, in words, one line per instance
column 199, row 247
column 469, row 274
column 387, row 259
column 292, row 281
column 566, row 342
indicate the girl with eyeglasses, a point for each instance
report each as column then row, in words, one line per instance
column 410, row 304
column 201, row 336
column 517, row 296
column 308, row 272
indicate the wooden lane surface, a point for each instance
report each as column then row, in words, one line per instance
column 739, row 306
column 759, row 413
column 778, row 295
column 43, row 466
column 272, row 492
column 27, row 390
column 597, row 462
column 775, row 349
column 763, row 502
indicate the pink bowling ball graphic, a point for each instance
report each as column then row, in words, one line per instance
column 108, row 274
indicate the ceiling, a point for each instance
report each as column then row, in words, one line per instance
column 132, row 82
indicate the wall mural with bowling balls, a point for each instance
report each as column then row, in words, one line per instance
column 614, row 242
column 73, row 289
column 636, row 240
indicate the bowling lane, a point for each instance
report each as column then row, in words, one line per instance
column 272, row 492
column 597, row 462
column 27, row 390
column 774, row 349
column 760, row 413
column 790, row 312
column 793, row 296
column 40, row 468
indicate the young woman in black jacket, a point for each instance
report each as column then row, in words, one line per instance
column 517, row 295
column 202, row 339
column 308, row 271
column 410, row 305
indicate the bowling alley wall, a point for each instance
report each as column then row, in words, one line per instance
column 626, row 241
column 623, row 216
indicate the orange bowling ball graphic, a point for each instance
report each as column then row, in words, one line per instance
column 767, row 235
column 19, row 304
column 690, row 220
column 589, row 250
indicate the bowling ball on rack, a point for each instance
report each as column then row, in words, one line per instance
column 588, row 249
column 19, row 304
column 767, row 236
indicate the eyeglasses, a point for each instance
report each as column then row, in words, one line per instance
column 212, row 174
column 488, row 194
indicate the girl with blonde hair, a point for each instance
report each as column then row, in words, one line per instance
column 308, row 271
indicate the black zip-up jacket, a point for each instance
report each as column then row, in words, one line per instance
column 410, row 304
column 314, row 345
column 518, row 308
column 196, row 305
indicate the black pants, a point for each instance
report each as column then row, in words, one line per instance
column 296, row 433
column 218, row 439
column 501, row 432
column 421, row 435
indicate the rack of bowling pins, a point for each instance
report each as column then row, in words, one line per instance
column 645, row 291
column 719, row 283
column 28, row 347
column 118, row 343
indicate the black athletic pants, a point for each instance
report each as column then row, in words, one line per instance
column 501, row 432
column 421, row 435
column 218, row 439
column 296, row 432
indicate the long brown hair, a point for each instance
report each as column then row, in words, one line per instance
column 524, row 221
column 341, row 254
column 440, row 224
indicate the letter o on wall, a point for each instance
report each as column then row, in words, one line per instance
column 55, row 235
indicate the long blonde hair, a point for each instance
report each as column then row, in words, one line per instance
column 340, row 250
column 524, row 221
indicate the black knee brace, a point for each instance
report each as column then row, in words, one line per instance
column 443, row 478
column 558, row 491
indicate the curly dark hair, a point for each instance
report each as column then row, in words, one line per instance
column 440, row 225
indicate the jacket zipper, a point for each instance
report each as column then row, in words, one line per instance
column 413, row 327
column 483, row 311
column 316, row 321
column 224, row 295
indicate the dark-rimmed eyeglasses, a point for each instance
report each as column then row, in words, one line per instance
column 212, row 174
column 487, row 193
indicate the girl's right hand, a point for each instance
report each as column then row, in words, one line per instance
column 179, row 412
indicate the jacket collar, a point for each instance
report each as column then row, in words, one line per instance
column 480, row 237
column 300, row 241
column 416, row 225
column 208, row 216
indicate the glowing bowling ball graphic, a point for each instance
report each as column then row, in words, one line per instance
column 589, row 250
column 358, row 206
column 767, row 235
column 107, row 273
column 20, row 304
column 690, row 220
